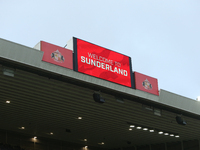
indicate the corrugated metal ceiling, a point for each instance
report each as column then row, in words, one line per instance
column 43, row 105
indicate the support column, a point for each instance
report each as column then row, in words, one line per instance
column 135, row 147
column 165, row 146
column 182, row 147
column 6, row 137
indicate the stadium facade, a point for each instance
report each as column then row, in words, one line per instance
column 88, row 97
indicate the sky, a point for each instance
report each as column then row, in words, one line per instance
column 161, row 36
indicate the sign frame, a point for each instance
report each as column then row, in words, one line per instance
column 75, row 61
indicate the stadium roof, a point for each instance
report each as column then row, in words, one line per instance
column 47, row 98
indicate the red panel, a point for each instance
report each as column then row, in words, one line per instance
column 146, row 83
column 57, row 55
column 103, row 63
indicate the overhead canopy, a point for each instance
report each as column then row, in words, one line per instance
column 47, row 98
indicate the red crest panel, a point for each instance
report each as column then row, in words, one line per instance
column 57, row 55
column 146, row 83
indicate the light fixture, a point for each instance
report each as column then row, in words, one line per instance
column 35, row 137
column 166, row 133
column 102, row 143
column 151, row 130
column 80, row 118
column 98, row 98
column 7, row 102
column 86, row 147
column 22, row 128
column 177, row 136
column 138, row 127
column 146, row 107
column 145, row 129
column 85, row 140
column 51, row 133
column 180, row 120
column 119, row 99
column 157, row 131
column 157, row 112
column 9, row 71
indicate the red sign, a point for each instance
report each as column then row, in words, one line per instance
column 103, row 63
column 146, row 83
column 57, row 55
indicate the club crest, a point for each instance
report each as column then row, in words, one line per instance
column 57, row 56
column 147, row 85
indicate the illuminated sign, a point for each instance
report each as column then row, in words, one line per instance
column 102, row 63
column 146, row 83
column 57, row 55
